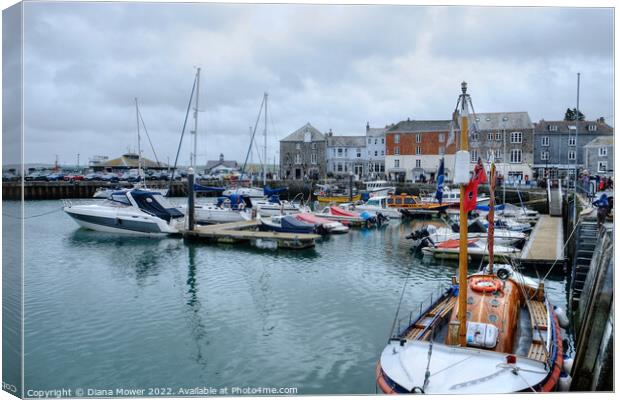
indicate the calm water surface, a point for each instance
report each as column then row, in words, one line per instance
column 103, row 311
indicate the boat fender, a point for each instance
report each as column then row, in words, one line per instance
column 564, row 382
column 461, row 168
column 368, row 222
column 562, row 318
column 567, row 364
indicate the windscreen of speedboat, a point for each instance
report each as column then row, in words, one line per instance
column 156, row 204
column 118, row 199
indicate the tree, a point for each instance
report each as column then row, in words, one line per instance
column 571, row 114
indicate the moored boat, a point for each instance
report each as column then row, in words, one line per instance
column 489, row 332
column 377, row 204
column 287, row 224
column 410, row 206
column 322, row 225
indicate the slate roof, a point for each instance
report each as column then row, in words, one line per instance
column 421, row 126
column 130, row 161
column 346, row 141
column 503, row 120
column 563, row 127
column 601, row 141
column 373, row 132
column 298, row 135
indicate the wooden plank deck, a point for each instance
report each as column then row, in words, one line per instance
column 546, row 241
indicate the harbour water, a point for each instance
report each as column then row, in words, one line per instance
column 105, row 312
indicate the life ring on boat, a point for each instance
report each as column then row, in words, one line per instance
column 485, row 284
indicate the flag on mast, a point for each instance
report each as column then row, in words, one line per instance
column 471, row 190
column 440, row 179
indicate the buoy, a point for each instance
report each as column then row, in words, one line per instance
column 564, row 382
column 562, row 318
column 567, row 364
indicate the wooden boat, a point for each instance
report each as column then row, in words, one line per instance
column 411, row 206
column 337, row 198
column 451, row 197
column 494, row 331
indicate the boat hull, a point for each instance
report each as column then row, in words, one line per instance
column 129, row 225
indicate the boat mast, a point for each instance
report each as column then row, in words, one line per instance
column 195, row 132
column 139, row 149
column 491, row 218
column 462, row 314
column 265, row 149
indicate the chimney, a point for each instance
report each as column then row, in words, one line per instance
column 601, row 120
column 408, row 120
column 330, row 132
column 221, row 156
column 367, row 126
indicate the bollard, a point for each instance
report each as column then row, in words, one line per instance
column 190, row 199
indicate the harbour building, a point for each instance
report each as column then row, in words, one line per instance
column 560, row 145
column 302, row 154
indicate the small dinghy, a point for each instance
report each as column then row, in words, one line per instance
column 287, row 224
column 322, row 225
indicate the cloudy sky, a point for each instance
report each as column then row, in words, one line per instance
column 334, row 66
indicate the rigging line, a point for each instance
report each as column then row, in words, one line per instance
column 32, row 216
column 148, row 137
column 563, row 248
column 400, row 302
column 176, row 159
column 260, row 111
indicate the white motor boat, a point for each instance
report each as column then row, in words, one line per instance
column 379, row 188
column 105, row 193
column 269, row 208
column 502, row 237
column 251, row 192
column 475, row 248
column 227, row 209
column 129, row 211
column 376, row 204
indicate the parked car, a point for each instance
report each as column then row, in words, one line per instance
column 109, row 177
column 55, row 176
column 36, row 176
column 10, row 177
column 93, row 176
column 74, row 177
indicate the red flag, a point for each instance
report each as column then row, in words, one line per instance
column 471, row 190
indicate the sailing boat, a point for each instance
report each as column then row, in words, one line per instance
column 492, row 332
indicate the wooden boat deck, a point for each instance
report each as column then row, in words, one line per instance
column 440, row 310
column 538, row 317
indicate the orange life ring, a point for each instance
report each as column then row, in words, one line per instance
column 485, row 284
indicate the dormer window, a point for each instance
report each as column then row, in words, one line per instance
column 591, row 128
column 553, row 128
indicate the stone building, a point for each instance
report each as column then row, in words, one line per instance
column 303, row 154
column 599, row 156
column 346, row 154
column 560, row 144
column 375, row 151
column 506, row 138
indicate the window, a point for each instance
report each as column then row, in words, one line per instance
column 375, row 141
column 418, row 138
column 591, row 128
column 359, row 152
column 442, row 138
column 346, row 152
column 314, row 146
column 498, row 136
column 544, row 155
column 602, row 151
column 418, row 150
column 376, row 153
column 474, row 156
column 297, row 158
column 490, row 136
column 515, row 156
column 572, row 155
column 397, row 138
column 369, row 140
column 498, row 154
column 313, row 158
column 572, row 141
column 516, row 137
column 553, row 128
column 397, row 150
column 339, row 152
column 396, row 163
column 297, row 146
column 544, row 141
column 382, row 152
column 418, row 163
column 382, row 140
column 474, row 137
column 602, row 166
column 339, row 167
column 442, row 150
column 490, row 154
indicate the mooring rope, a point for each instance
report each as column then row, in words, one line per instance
column 32, row 216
